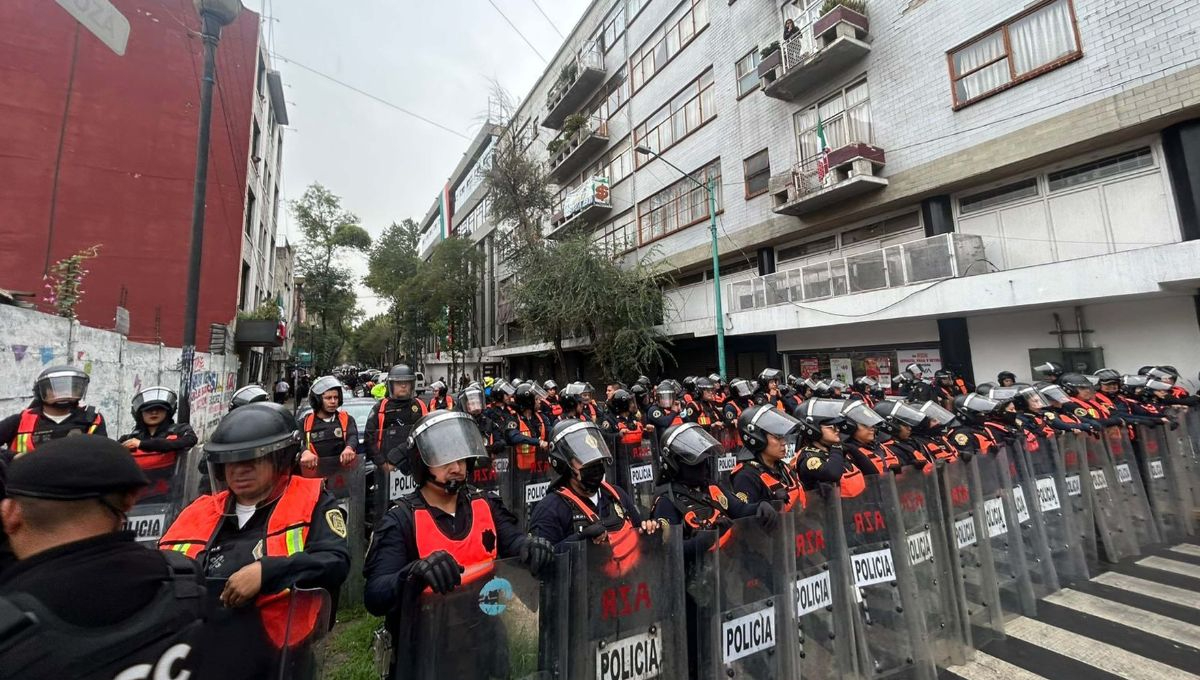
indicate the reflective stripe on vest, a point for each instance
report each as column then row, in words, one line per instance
column 343, row 419
column 287, row 532
column 23, row 441
column 623, row 540
column 527, row 453
column 469, row 551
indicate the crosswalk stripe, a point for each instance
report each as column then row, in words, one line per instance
column 1172, row 566
column 1100, row 655
column 988, row 667
column 1148, row 622
column 1187, row 549
column 1158, row 591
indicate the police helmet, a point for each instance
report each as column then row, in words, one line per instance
column 792, row 380
column 943, row 375
column 525, row 398
column 665, row 393
column 620, row 400
column 1072, row 383
column 1051, row 369
column 443, row 437
column 689, row 384
column 703, row 385
column 814, row 413
column 155, row 397
column 579, row 440
column 741, row 388
column 401, row 374
column 822, row 390
column 716, row 379
column 1161, row 373
column 983, row 389
column 470, row 400
column 864, row 384
column 1051, row 393
column 1028, row 398
column 638, row 391
column 974, row 407
column 914, row 371
column 1108, row 376
column 1005, row 375
column 319, row 387
column 858, row 413
column 254, row 431
column 505, row 388
column 549, row 385
column 897, row 413
column 61, row 385
column 438, row 388
column 250, row 394
column 689, row 445
column 759, row 421
column 769, row 374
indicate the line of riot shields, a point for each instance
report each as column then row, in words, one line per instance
column 911, row 574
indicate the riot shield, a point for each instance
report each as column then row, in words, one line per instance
column 486, row 628
column 626, row 617
column 889, row 625
column 637, row 470
column 531, row 477
column 1071, row 456
column 1042, row 467
column 157, row 505
column 1002, row 530
column 743, row 604
column 979, row 613
column 821, row 599
column 1130, row 491
column 1154, row 459
column 308, row 617
column 348, row 485
column 929, row 557
column 728, row 460
column 491, row 474
column 1184, row 468
column 1113, row 524
column 1042, row 576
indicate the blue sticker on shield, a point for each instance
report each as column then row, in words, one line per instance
column 494, row 597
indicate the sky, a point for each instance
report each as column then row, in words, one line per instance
column 435, row 58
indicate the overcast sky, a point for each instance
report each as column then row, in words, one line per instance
column 432, row 57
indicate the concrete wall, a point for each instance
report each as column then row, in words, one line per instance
column 30, row 341
column 1132, row 334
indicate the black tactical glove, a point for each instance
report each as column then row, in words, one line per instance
column 440, row 571
column 591, row 531
column 537, row 554
column 767, row 515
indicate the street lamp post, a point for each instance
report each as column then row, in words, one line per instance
column 712, row 229
column 213, row 15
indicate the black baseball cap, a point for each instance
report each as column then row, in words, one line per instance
column 74, row 468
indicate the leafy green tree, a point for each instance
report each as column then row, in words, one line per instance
column 373, row 341
column 392, row 268
column 449, row 281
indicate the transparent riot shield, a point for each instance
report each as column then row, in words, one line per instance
column 1115, row 530
column 308, row 618
column 626, row 617
column 1042, row 574
column 1183, row 468
column 1042, row 467
column 1071, row 456
column 728, row 460
column 743, row 604
column 491, row 474
column 486, row 628
column 981, row 619
column 889, row 623
column 1129, row 489
column 158, row 504
column 637, row 471
column 531, row 477
column 1165, row 501
column 926, row 540
column 822, row 602
column 348, row 485
column 1002, row 530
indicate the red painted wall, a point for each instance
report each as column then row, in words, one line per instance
column 127, row 161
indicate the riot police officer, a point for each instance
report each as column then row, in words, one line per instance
column 621, row 424
column 859, row 442
column 702, row 409
column 328, row 430
column 1081, row 392
column 821, row 458
column 550, row 405
column 664, row 412
column 741, row 397
column 1050, row 370
column 159, row 445
column 914, row 386
column 446, row 534
column 526, row 430
column 979, row 431
column 768, row 389
column 1006, row 379
column 55, row 411
column 83, row 588
column 899, row 419
column 250, row 394
column 770, row 438
column 440, row 399
column 391, row 420
column 268, row 542
column 581, row 504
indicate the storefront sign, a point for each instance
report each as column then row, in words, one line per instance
column 929, row 359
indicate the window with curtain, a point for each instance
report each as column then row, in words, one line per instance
column 1032, row 43
column 688, row 19
column 746, row 70
column 757, row 170
column 613, row 28
column 620, row 235
column 692, row 107
column 680, row 205
column 846, row 117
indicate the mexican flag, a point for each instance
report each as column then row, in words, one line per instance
column 822, row 151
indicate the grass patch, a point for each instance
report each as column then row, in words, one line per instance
column 346, row 651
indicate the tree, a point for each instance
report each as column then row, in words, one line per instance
column 372, row 343
column 392, row 268
column 328, row 232
column 449, row 281
column 518, row 186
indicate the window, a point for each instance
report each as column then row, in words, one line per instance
column 620, row 235
column 613, row 28
column 255, row 143
column 1105, row 167
column 679, row 206
column 245, row 285
column 846, row 117
column 758, row 173
column 746, row 70
column 633, row 8
column 250, row 204
column 1026, row 188
column 688, row 110
column 612, row 97
column 878, row 230
column 821, row 245
column 1034, row 42
column 676, row 32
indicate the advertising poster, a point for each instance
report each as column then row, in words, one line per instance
column 930, row 358
column 879, row 368
column 840, row 369
column 809, row 366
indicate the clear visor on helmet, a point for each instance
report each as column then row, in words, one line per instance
column 899, row 411
column 1156, row 385
column 1033, row 398
column 583, row 442
column 665, row 398
column 936, row 413
column 1003, row 393
column 867, row 381
column 773, row 421
column 691, row 444
column 837, row 385
column 443, row 437
column 62, row 387
column 821, row 409
column 472, row 402
column 980, row 404
column 323, row 384
column 538, row 391
column 155, row 396
column 1160, row 374
column 1054, row 393
column 859, row 412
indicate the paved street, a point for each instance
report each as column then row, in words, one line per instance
column 1140, row 620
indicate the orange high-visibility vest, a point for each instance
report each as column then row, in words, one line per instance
column 470, row 551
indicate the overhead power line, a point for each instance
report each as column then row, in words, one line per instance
column 518, row 31
column 548, row 19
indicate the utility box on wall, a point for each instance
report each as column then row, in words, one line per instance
column 1086, row 360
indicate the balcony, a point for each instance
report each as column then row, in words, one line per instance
column 939, row 257
column 257, row 333
column 809, row 60
column 584, row 204
column 576, row 83
column 851, row 172
column 581, row 139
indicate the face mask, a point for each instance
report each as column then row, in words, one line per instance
column 591, row 477
column 452, row 486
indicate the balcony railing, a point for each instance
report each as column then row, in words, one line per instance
column 849, row 171
column 580, row 205
column 576, row 82
column 939, row 257
column 814, row 56
column 570, row 151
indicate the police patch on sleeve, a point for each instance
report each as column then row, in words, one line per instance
column 1081, row 412
column 743, row 496
column 722, row 500
column 813, row 463
column 961, row 439
column 1050, row 415
column 729, row 415
column 337, row 523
